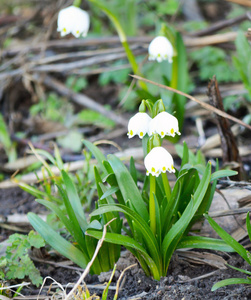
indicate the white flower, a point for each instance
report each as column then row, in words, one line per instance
column 139, row 125
column 158, row 160
column 160, row 49
column 73, row 20
column 164, row 124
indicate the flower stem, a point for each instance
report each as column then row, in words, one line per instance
column 174, row 80
column 152, row 210
column 123, row 40
column 166, row 186
column 77, row 3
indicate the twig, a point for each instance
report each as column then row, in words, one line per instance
column 230, row 151
column 221, row 24
column 241, row 2
column 205, row 105
column 210, row 39
column 65, row 67
column 100, row 242
column 230, row 212
column 120, row 278
column 199, row 277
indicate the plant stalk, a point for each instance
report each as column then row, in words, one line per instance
column 152, row 209
column 77, row 3
column 123, row 40
column 166, row 186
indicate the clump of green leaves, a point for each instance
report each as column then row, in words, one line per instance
column 17, row 263
column 214, row 61
column 65, row 203
column 189, row 199
column 54, row 108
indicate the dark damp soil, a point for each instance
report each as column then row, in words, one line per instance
column 180, row 282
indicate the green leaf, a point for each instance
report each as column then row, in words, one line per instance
column 127, row 242
column 127, row 186
column 146, row 232
column 228, row 239
column 35, row 240
column 133, row 170
column 76, row 232
column 97, row 154
column 60, row 214
column 57, row 242
column 222, row 173
column 47, row 155
column 74, row 200
column 180, row 226
column 240, row 270
column 109, row 192
column 201, row 242
column 182, row 80
column 248, row 226
column 230, row 281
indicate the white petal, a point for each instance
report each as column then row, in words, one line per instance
column 73, row 20
column 164, row 124
column 139, row 125
column 158, row 161
column 160, row 49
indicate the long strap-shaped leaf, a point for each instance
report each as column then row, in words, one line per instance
column 128, row 242
column 74, row 200
column 127, row 186
column 201, row 242
column 229, row 240
column 187, row 216
column 97, row 154
column 57, row 242
column 230, row 281
column 146, row 233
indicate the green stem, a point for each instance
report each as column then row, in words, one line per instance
column 166, row 186
column 123, row 40
column 152, row 210
column 77, row 3
column 174, row 80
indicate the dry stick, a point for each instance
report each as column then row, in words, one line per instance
column 64, row 67
column 189, row 42
column 100, row 242
column 59, row 44
column 241, row 2
column 210, row 39
column 80, row 99
column 221, row 24
column 120, row 278
column 205, row 105
column 230, row 151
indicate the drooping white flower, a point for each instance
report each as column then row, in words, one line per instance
column 160, row 49
column 158, row 161
column 138, row 124
column 164, row 124
column 73, row 20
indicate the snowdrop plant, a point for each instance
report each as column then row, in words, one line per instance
column 159, row 216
